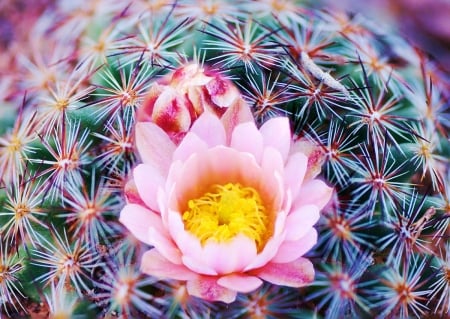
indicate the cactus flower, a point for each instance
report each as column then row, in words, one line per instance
column 230, row 206
column 178, row 99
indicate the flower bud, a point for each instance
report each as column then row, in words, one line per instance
column 176, row 101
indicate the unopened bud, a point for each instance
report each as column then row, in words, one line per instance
column 176, row 101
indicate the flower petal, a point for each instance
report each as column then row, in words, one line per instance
column 203, row 170
column 296, row 274
column 207, row 288
column 154, row 146
column 144, row 113
column 315, row 154
column 154, row 264
column 300, row 221
column 229, row 257
column 196, row 96
column 162, row 203
column 189, row 246
column 276, row 133
column 272, row 161
column 171, row 111
column 294, row 172
column 314, row 192
column 160, row 239
column 148, row 179
column 271, row 183
column 237, row 113
column 138, row 220
column 291, row 250
column 190, row 144
column 191, row 74
column 240, row 283
column 222, row 91
column 132, row 194
column 247, row 138
column 198, row 266
column 209, row 128
column 269, row 251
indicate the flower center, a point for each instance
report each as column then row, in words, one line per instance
column 226, row 211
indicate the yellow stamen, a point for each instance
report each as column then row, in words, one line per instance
column 226, row 211
column 62, row 104
column 15, row 144
column 3, row 274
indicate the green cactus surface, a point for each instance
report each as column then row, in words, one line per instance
column 373, row 110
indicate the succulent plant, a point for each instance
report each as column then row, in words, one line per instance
column 370, row 112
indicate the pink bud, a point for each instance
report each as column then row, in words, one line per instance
column 316, row 156
column 177, row 100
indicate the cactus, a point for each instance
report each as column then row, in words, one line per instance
column 371, row 112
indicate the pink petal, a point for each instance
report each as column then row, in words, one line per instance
column 296, row 274
column 189, row 246
column 207, row 288
column 205, row 169
column 218, row 165
column 145, row 112
column 171, row 111
column 291, row 250
column 148, row 179
column 190, row 144
column 287, row 201
column 229, row 257
column 154, row 146
column 272, row 161
column 160, row 239
column 212, row 258
column 169, row 205
column 300, row 221
column 190, row 74
column 237, row 113
column 314, row 192
column 271, row 183
column 294, row 172
column 269, row 251
column 315, row 154
column 209, row 128
column 223, row 93
column 154, row 264
column 198, row 266
column 138, row 220
column 175, row 171
column 132, row 194
column 241, row 283
column 196, row 96
column 280, row 224
column 247, row 138
column 276, row 133
column 315, row 162
column 272, row 245
column 186, row 241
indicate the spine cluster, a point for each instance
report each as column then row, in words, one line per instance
column 377, row 110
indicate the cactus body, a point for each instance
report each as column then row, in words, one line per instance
column 371, row 113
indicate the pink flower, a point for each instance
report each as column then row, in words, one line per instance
column 226, row 208
column 176, row 101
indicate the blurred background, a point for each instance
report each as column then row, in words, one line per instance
column 17, row 18
column 425, row 23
